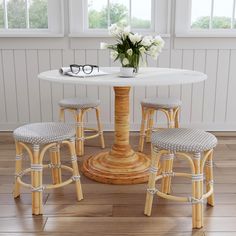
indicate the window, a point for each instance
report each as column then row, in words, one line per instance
column 93, row 17
column 24, row 14
column 101, row 14
column 206, row 17
column 29, row 17
column 216, row 14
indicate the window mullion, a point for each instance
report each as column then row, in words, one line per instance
column 5, row 14
column 130, row 12
column 27, row 13
column 233, row 15
column 212, row 12
column 108, row 13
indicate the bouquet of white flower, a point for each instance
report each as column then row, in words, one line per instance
column 131, row 47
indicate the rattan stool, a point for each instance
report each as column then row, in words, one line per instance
column 79, row 106
column 197, row 147
column 36, row 139
column 170, row 107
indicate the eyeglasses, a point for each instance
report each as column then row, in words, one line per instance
column 87, row 69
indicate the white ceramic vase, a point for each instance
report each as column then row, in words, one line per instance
column 127, row 72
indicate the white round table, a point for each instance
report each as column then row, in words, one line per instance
column 122, row 165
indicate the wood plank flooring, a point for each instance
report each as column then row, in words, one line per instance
column 116, row 210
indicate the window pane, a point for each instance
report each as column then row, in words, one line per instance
column 38, row 14
column 119, row 12
column 16, row 10
column 97, row 14
column 222, row 14
column 1, row 14
column 201, row 11
column 141, row 14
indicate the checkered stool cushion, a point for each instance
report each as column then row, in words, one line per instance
column 79, row 103
column 43, row 133
column 157, row 103
column 183, row 140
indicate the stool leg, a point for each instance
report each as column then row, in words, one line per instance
column 100, row 127
column 150, row 125
column 36, row 181
column 76, row 175
column 197, row 188
column 168, row 162
column 143, row 128
column 209, row 179
column 167, row 170
column 151, row 182
column 18, row 169
column 62, row 115
column 177, row 110
column 56, row 164
column 80, row 133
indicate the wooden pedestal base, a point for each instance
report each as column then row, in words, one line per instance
column 106, row 168
column 121, row 165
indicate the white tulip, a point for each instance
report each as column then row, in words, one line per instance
column 142, row 49
column 159, row 41
column 130, row 52
column 114, row 55
column 115, row 30
column 126, row 31
column 103, row 45
column 135, row 38
column 147, row 41
column 125, row 62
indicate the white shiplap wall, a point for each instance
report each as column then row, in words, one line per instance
column 23, row 98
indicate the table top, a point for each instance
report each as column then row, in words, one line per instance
column 150, row 76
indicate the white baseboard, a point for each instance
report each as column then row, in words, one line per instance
column 136, row 127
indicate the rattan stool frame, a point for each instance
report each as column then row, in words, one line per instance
column 36, row 158
column 197, row 164
column 172, row 116
column 80, row 129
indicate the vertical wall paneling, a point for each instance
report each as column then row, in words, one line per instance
column 3, row 118
column 21, row 85
column 230, row 102
column 35, row 113
column 68, row 58
column 163, row 91
column 92, row 91
column 45, row 87
column 10, row 86
column 57, row 88
column 175, row 62
column 104, row 91
column 197, row 92
column 221, row 86
column 186, row 93
column 212, row 57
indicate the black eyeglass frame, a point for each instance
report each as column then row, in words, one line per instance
column 83, row 66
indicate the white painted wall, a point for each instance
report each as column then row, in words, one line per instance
column 23, row 98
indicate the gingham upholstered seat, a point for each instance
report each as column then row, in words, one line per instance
column 79, row 103
column 43, row 133
column 183, row 140
column 168, row 103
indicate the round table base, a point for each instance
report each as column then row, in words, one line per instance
column 106, row 168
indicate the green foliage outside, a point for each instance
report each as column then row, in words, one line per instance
column 38, row 17
column 1, row 16
column 218, row 22
column 38, row 14
column 118, row 15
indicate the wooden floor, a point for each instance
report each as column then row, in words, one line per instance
column 116, row 210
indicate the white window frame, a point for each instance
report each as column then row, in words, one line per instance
column 55, row 24
column 183, row 23
column 78, row 20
